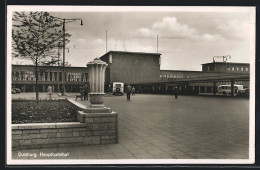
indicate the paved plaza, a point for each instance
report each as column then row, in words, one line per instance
column 161, row 127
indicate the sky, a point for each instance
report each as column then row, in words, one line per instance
column 186, row 39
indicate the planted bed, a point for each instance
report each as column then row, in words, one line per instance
column 43, row 111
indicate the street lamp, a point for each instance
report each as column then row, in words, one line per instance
column 64, row 32
column 59, row 65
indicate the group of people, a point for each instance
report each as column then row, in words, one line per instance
column 129, row 90
column 84, row 90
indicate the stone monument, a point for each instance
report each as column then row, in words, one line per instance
column 101, row 119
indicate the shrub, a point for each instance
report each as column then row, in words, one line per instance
column 44, row 111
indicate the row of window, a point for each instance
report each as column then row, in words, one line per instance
column 76, row 76
column 48, row 76
column 237, row 68
column 166, row 76
column 232, row 68
column 236, row 82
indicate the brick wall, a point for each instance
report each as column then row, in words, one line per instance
column 104, row 127
column 98, row 129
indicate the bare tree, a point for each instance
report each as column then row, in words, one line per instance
column 34, row 37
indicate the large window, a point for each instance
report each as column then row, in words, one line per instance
column 55, row 76
column 76, row 77
column 60, row 76
column 228, row 68
column 42, row 78
column 51, row 76
column 46, row 76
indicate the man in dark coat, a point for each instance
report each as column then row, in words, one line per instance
column 128, row 92
column 176, row 92
column 85, row 90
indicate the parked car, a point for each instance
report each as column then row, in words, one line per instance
column 118, row 88
column 16, row 90
column 243, row 92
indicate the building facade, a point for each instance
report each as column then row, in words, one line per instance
column 23, row 77
column 131, row 67
column 141, row 70
column 188, row 86
column 226, row 67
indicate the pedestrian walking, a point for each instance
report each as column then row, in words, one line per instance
column 176, row 92
column 49, row 91
column 86, row 90
column 133, row 91
column 128, row 92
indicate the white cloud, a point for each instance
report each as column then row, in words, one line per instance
column 145, row 32
column 234, row 29
column 212, row 37
column 171, row 28
column 130, row 45
column 98, row 42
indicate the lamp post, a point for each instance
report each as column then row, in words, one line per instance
column 64, row 45
column 59, row 65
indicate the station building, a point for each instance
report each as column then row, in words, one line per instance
column 23, row 77
column 131, row 67
column 139, row 69
column 196, row 82
column 142, row 70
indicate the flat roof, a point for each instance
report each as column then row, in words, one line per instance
column 224, row 63
column 130, row 52
column 181, row 71
column 29, row 65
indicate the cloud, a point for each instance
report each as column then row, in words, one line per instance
column 234, row 29
column 171, row 28
column 145, row 32
column 130, row 45
column 212, row 37
column 87, row 44
column 98, row 43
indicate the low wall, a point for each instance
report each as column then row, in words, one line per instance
column 99, row 128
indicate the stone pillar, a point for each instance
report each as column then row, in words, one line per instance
column 48, row 76
column 43, row 76
column 97, row 70
column 232, row 87
column 58, row 76
column 185, row 88
column 214, row 88
column 100, row 119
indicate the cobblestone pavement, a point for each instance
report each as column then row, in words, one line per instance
column 161, row 127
